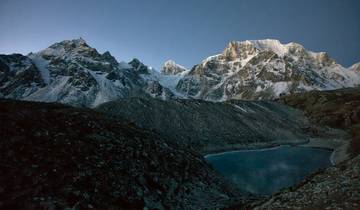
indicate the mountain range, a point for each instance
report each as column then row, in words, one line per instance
column 142, row 143
column 74, row 73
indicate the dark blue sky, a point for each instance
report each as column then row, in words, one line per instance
column 186, row 31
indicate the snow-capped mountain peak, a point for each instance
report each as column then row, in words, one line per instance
column 73, row 72
column 249, row 47
column 172, row 68
column 270, row 44
column 355, row 67
column 264, row 69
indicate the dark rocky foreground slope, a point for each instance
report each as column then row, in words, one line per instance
column 209, row 126
column 54, row 156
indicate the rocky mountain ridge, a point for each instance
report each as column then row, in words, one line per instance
column 74, row 73
column 264, row 69
column 35, row 136
column 172, row 68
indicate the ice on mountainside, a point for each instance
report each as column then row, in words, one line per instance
column 172, row 68
column 77, row 74
column 72, row 72
column 264, row 69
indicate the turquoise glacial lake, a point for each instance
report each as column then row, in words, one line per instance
column 264, row 172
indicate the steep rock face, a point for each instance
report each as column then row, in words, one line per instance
column 172, row 68
column 74, row 73
column 58, row 157
column 19, row 77
column 156, row 90
column 208, row 126
column 264, row 69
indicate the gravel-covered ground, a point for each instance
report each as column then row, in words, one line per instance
column 55, row 157
column 337, row 187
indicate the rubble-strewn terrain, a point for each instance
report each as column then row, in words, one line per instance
column 337, row 187
column 55, row 156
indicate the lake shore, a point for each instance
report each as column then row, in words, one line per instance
column 250, row 146
column 339, row 147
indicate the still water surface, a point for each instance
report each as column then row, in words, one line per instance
column 267, row 171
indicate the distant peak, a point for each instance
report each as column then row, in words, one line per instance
column 80, row 42
column 139, row 66
column 273, row 45
column 356, row 67
column 81, row 39
column 71, row 44
column 135, row 62
column 266, row 41
column 259, row 42
column 170, row 63
column 171, row 67
column 270, row 44
column 75, row 47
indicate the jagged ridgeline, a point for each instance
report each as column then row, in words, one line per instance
column 74, row 73
column 54, row 155
column 265, row 69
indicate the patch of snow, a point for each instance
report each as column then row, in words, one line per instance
column 42, row 64
column 305, row 87
column 239, row 107
column 170, row 82
column 355, row 67
column 315, row 55
column 108, row 89
column 59, row 51
column 173, row 64
column 124, row 65
column 249, row 57
column 258, row 89
column 52, row 92
column 214, row 57
column 270, row 44
column 280, row 87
